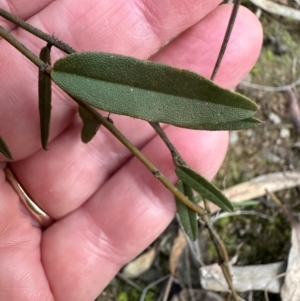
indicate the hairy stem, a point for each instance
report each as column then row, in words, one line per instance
column 37, row 32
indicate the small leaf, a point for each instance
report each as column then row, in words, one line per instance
column 5, row 150
column 45, row 97
column 202, row 186
column 150, row 91
column 187, row 216
column 90, row 125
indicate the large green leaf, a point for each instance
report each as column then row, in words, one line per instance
column 45, row 97
column 149, row 91
column 5, row 150
column 203, row 187
column 188, row 217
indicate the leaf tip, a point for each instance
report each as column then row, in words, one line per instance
column 44, row 143
column 5, row 150
column 203, row 187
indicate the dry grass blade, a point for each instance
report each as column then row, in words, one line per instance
column 139, row 265
column 244, row 278
column 176, row 251
column 294, row 108
column 291, row 290
column 277, row 9
column 257, row 187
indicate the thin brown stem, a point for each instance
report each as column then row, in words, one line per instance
column 226, row 37
column 37, row 32
column 221, row 249
column 110, row 127
column 104, row 121
column 22, row 48
column 214, row 235
column 177, row 159
column 206, row 206
column 153, row 169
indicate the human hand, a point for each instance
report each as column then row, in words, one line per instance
column 107, row 206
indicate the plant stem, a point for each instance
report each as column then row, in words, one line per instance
column 161, row 177
column 214, row 235
column 222, row 252
column 22, row 48
column 177, row 159
column 220, row 247
column 64, row 47
column 37, row 32
column 226, row 37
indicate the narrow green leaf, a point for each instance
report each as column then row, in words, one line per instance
column 150, row 91
column 45, row 97
column 90, row 125
column 202, row 186
column 5, row 150
column 187, row 216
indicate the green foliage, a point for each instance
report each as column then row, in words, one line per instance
column 151, row 91
column 211, row 251
column 123, row 296
column 254, row 70
column 151, row 296
column 140, row 89
column 269, row 55
column 90, row 125
column 134, row 295
column 250, row 232
column 45, row 95
column 203, row 187
column 187, row 216
column 5, row 150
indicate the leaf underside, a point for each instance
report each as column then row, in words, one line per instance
column 151, row 91
column 45, row 95
column 5, row 150
column 188, row 217
column 203, row 187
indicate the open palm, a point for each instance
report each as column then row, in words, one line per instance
column 107, row 206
